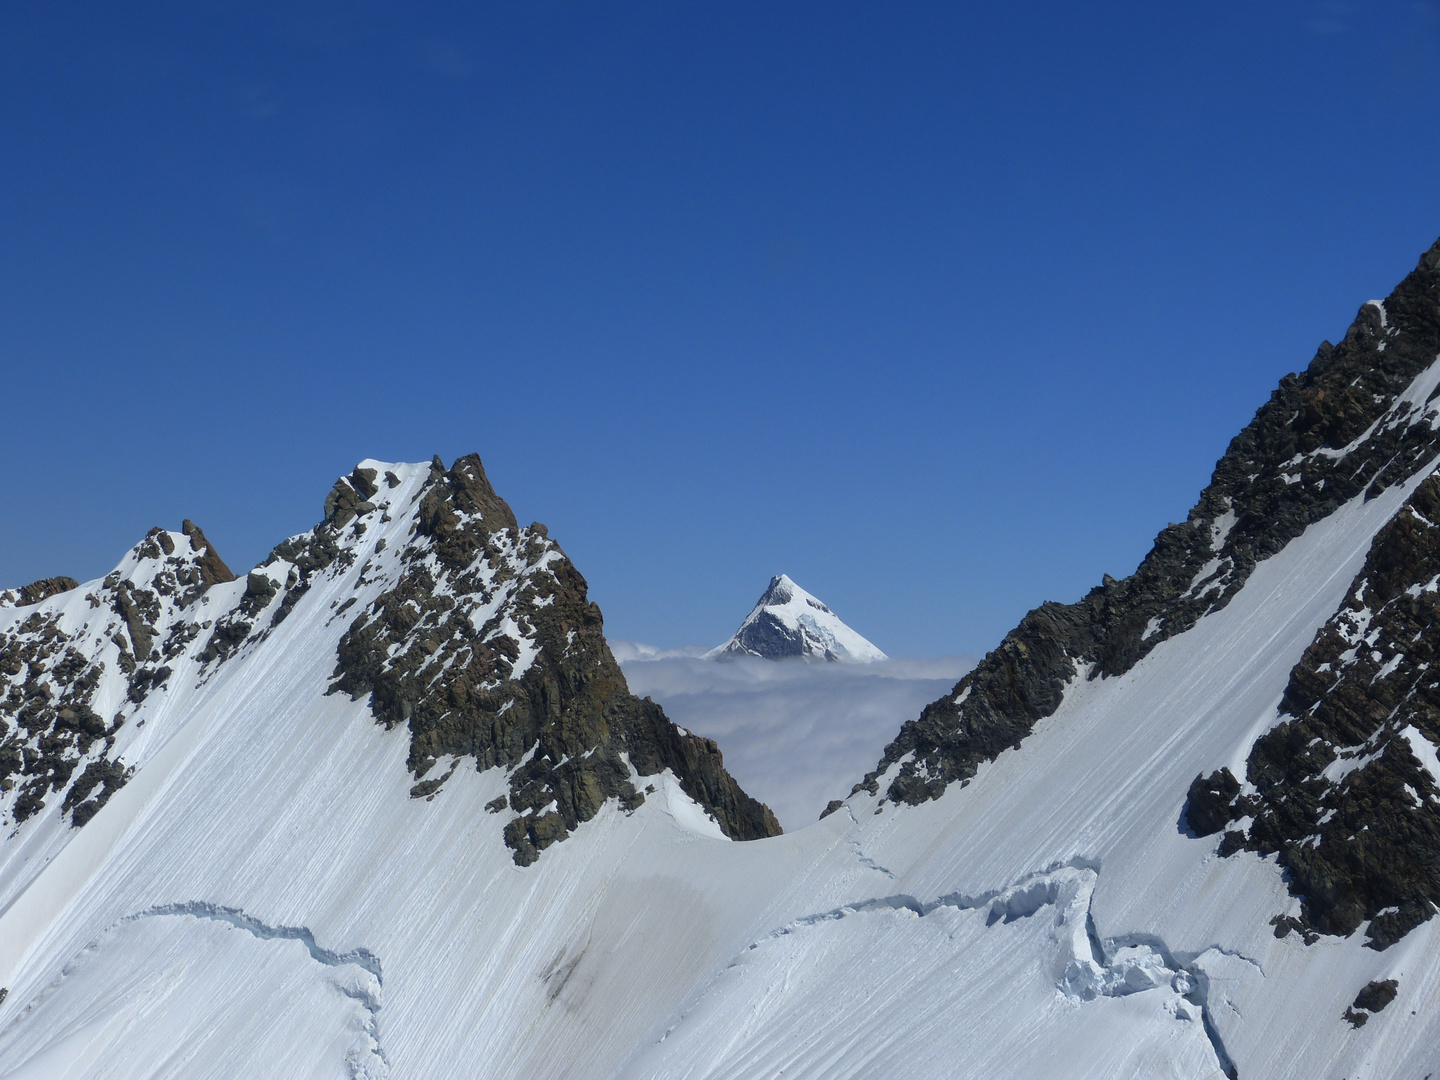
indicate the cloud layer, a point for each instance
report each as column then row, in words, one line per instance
column 794, row 735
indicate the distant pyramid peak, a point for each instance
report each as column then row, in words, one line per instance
column 783, row 590
column 787, row 623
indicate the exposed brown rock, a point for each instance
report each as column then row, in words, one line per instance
column 43, row 589
column 212, row 568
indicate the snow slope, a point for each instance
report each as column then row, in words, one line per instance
column 263, row 898
column 257, row 796
column 789, row 623
column 1099, row 787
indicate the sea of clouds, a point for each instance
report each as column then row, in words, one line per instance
column 794, row 734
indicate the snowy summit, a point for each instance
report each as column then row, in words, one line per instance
column 788, row 623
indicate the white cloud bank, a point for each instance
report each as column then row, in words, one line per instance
column 795, row 735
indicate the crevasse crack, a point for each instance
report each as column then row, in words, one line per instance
column 373, row 1065
column 1086, row 966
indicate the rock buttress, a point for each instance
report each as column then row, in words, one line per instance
column 488, row 647
column 1343, row 789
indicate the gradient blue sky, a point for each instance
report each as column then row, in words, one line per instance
column 942, row 309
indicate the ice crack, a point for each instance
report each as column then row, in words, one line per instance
column 860, row 856
column 366, row 1064
column 1083, row 965
column 361, row 957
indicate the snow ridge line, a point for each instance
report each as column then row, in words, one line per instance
column 1110, row 967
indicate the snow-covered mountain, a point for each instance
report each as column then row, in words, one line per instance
column 384, row 806
column 787, row 623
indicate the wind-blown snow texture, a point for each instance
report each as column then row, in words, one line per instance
column 787, row 623
column 264, row 896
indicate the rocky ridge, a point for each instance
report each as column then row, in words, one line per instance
column 37, row 591
column 76, row 668
column 1345, row 789
column 480, row 639
column 488, row 648
column 1358, row 420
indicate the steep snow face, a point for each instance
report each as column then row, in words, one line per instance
column 1358, row 421
column 788, row 623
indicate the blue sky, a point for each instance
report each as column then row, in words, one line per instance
column 942, row 309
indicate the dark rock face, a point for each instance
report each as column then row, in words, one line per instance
column 1376, row 995
column 767, row 637
column 52, row 739
column 46, row 724
column 107, row 776
column 1214, row 802
column 488, row 647
column 1372, row 999
column 37, row 591
column 1343, row 795
column 1343, row 427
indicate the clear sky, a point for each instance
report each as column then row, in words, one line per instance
column 942, row 309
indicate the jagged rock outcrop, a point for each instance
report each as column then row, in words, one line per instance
column 1345, row 790
column 476, row 634
column 36, row 591
column 56, row 662
column 1357, row 420
column 1372, row 999
column 213, row 570
column 488, row 648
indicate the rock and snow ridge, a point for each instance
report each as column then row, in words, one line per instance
column 481, row 641
column 1359, row 420
column 1353, row 753
column 77, row 665
column 787, row 623
column 173, row 738
column 485, row 645
column 1018, row 890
